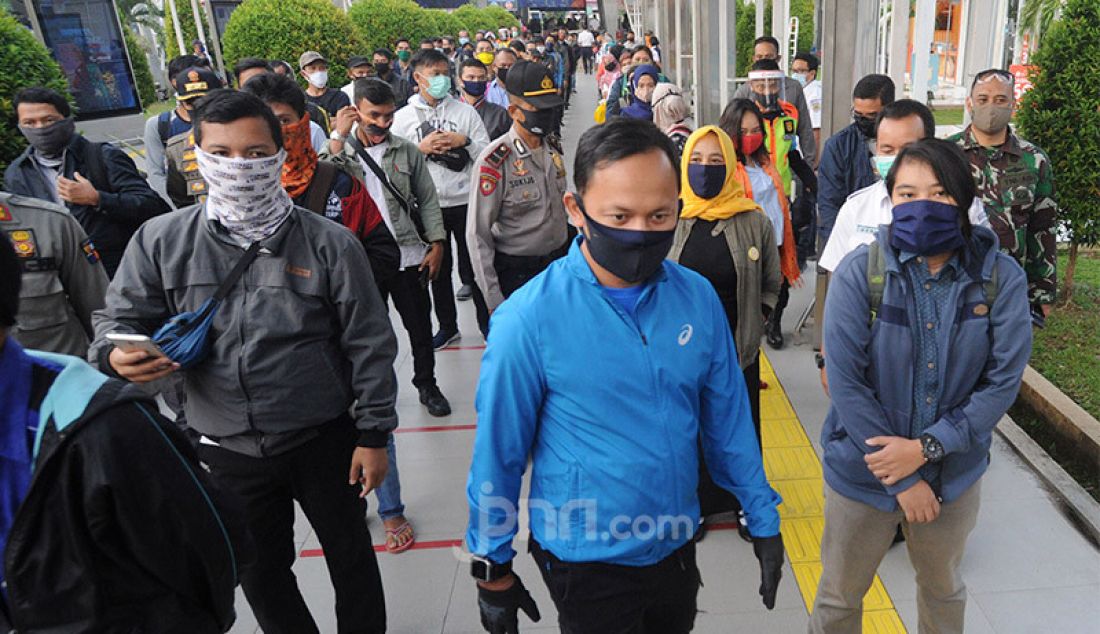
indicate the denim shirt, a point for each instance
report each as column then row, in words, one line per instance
column 931, row 294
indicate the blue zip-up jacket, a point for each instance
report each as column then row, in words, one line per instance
column 845, row 169
column 982, row 354
column 609, row 408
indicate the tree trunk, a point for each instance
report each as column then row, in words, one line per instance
column 1071, row 266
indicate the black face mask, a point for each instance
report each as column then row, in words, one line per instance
column 376, row 130
column 502, row 74
column 382, row 68
column 866, row 125
column 50, row 140
column 630, row 255
column 538, row 122
column 610, row 65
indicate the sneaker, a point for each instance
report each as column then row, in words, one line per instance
column 433, row 399
column 464, row 293
column 444, row 338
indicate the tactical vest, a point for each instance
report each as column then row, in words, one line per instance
column 184, row 182
column 781, row 135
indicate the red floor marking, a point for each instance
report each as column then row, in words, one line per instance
column 417, row 430
column 450, row 348
column 381, row 548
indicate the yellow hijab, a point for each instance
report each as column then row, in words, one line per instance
column 731, row 200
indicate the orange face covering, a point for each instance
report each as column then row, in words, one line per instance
column 301, row 158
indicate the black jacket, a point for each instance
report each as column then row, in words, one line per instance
column 125, row 198
column 121, row 529
column 845, row 168
column 496, row 119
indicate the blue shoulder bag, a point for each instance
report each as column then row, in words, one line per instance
column 185, row 337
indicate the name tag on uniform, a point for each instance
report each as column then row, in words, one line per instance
column 39, row 265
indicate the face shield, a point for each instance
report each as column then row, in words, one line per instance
column 768, row 89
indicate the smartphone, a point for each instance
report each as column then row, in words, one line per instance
column 129, row 342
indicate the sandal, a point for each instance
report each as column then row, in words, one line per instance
column 400, row 539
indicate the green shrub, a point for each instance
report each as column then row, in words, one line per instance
column 26, row 63
column 503, row 17
column 447, row 23
column 187, row 26
column 380, row 22
column 1061, row 114
column 143, row 77
column 475, row 19
column 284, row 29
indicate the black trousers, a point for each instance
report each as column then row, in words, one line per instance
column 316, row 475
column 415, row 307
column 443, row 292
column 713, row 499
column 600, row 598
column 586, row 59
column 513, row 271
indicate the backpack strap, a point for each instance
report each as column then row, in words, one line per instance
column 876, row 278
column 319, row 188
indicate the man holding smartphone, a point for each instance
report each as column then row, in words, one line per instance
column 301, row 340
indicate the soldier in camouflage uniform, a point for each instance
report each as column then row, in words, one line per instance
column 1015, row 181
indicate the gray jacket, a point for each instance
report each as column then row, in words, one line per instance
column 408, row 172
column 301, row 337
column 751, row 242
column 63, row 280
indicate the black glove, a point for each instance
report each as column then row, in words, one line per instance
column 769, row 551
column 500, row 609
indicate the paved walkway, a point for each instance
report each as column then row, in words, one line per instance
column 1027, row 568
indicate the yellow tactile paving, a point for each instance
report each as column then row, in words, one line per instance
column 795, row 472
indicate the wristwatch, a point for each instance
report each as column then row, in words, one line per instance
column 483, row 569
column 336, row 136
column 931, row 448
column 819, row 359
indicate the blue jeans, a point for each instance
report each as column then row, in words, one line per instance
column 389, row 494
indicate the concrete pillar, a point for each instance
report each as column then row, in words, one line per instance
column 924, row 25
column 760, row 17
column 849, row 33
column 781, row 15
column 899, row 42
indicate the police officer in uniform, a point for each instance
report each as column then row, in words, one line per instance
column 63, row 280
column 184, row 183
column 517, row 224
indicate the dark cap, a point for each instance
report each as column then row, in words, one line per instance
column 533, row 83
column 360, row 60
column 195, row 82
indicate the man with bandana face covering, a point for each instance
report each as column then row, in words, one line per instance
column 295, row 400
column 1015, row 182
column 517, row 222
column 97, row 182
column 605, row 369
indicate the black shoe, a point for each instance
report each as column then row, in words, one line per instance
column 444, row 338
column 464, row 293
column 775, row 333
column 436, row 403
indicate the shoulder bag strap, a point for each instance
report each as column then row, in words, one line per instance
column 876, row 282
column 319, row 187
column 379, row 174
column 238, row 270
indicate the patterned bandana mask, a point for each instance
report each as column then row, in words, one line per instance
column 301, row 158
column 245, row 195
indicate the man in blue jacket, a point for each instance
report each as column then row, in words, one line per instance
column 606, row 369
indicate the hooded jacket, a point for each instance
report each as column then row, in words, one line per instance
column 449, row 115
column 121, row 530
column 983, row 351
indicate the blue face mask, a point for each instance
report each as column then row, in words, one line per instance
column 706, row 180
column 439, row 86
column 926, row 227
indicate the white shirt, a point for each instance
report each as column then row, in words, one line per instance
column 859, row 218
column 349, row 90
column 586, row 39
column 411, row 255
column 812, row 92
column 317, row 137
column 765, row 195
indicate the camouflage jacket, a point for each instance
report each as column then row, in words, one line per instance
column 1016, row 184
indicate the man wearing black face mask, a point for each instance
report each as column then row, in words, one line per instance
column 98, row 182
column 606, row 369
column 517, row 224
column 383, row 67
column 474, row 83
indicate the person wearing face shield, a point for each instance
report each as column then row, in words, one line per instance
column 605, row 370
column 1015, row 181
column 766, row 47
column 928, row 331
column 314, row 67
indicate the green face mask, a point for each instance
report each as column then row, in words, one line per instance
column 404, row 55
column 439, row 86
column 883, row 164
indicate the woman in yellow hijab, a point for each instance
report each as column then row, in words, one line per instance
column 724, row 236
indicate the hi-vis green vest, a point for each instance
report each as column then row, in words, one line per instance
column 780, row 134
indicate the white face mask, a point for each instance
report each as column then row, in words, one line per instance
column 245, row 195
column 318, row 79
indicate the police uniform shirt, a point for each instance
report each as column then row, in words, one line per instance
column 515, row 206
column 63, row 281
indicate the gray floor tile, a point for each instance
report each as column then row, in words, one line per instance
column 1065, row 610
